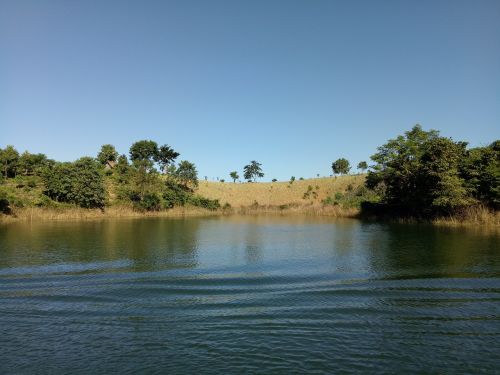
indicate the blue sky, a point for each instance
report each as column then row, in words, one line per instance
column 292, row 84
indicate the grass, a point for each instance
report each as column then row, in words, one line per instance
column 276, row 194
column 302, row 197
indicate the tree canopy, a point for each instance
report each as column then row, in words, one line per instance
column 341, row 166
column 253, row 171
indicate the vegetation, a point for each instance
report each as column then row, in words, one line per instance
column 362, row 166
column 341, row 166
column 253, row 171
column 109, row 180
column 422, row 174
column 417, row 175
column 234, row 175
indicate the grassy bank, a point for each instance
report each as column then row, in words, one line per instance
column 333, row 197
column 280, row 193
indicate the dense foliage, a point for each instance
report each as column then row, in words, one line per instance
column 81, row 183
column 104, row 180
column 341, row 166
column 424, row 174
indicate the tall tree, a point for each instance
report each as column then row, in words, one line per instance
column 187, row 174
column 341, row 166
column 165, row 157
column 234, row 175
column 143, row 153
column 362, row 166
column 31, row 164
column 9, row 158
column 253, row 171
column 108, row 155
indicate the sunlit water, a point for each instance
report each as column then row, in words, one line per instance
column 248, row 295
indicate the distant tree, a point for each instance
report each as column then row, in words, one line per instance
column 80, row 183
column 274, row 180
column 420, row 174
column 234, row 175
column 253, row 171
column 481, row 172
column 144, row 153
column 222, row 180
column 122, row 169
column 341, row 166
column 88, row 184
column 292, row 179
column 363, row 166
column 186, row 174
column 301, row 179
column 31, row 164
column 165, row 157
column 9, row 158
column 107, row 155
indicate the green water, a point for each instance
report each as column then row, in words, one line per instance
column 244, row 295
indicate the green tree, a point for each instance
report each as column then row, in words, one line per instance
column 165, row 157
column 363, row 166
column 31, row 164
column 420, row 174
column 9, row 158
column 80, row 183
column 108, row 155
column 253, row 171
column 87, row 188
column 341, row 166
column 144, row 153
column 186, row 174
column 481, row 171
column 234, row 175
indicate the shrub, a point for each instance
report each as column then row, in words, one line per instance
column 209, row 204
column 4, row 203
column 150, row 202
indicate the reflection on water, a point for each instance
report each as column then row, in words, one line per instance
column 247, row 294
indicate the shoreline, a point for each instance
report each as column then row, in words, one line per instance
column 22, row 215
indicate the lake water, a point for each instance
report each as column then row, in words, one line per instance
column 273, row 295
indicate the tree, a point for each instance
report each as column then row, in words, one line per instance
column 186, row 174
column 234, row 175
column 165, row 157
column 87, row 189
column 80, row 183
column 363, row 166
column 107, row 155
column 253, row 171
column 31, row 164
column 292, row 180
column 481, row 172
column 9, row 158
column 143, row 153
column 341, row 166
column 420, row 174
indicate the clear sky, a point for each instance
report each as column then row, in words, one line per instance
column 292, row 84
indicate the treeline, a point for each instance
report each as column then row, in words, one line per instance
column 148, row 179
column 422, row 174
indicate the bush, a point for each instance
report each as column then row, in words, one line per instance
column 150, row 202
column 209, row 204
column 4, row 203
column 174, row 195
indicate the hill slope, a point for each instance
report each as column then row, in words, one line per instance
column 278, row 193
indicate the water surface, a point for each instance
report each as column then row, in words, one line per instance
column 275, row 295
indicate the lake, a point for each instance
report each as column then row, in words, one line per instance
column 273, row 295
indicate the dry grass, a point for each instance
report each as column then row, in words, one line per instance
column 277, row 193
column 41, row 214
column 472, row 216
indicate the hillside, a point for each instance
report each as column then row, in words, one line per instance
column 278, row 193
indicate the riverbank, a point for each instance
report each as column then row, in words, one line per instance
column 477, row 217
